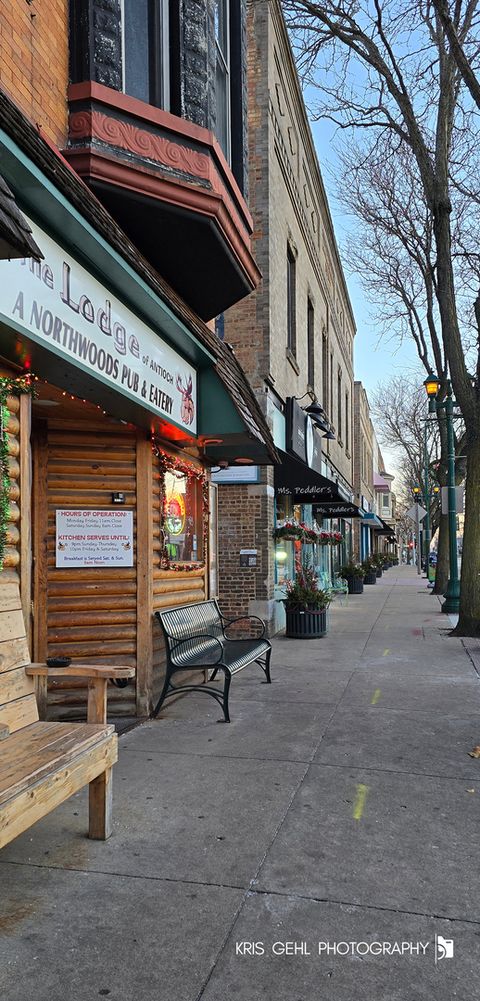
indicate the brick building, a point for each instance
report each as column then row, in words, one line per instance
column 123, row 229
column 363, row 446
column 293, row 337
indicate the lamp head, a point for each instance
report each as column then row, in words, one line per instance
column 315, row 410
column 432, row 385
column 329, row 436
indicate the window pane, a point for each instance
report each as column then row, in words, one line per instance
column 222, row 108
column 291, row 303
column 137, row 30
column 182, row 518
column 221, row 26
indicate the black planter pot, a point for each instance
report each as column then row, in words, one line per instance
column 379, row 572
column 370, row 577
column 306, row 625
column 355, row 585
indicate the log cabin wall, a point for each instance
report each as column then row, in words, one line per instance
column 17, row 561
column 88, row 614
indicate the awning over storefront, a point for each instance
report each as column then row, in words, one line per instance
column 384, row 528
column 295, row 479
column 16, row 238
column 338, row 509
column 371, row 520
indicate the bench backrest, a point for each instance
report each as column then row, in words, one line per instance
column 184, row 627
column 18, row 705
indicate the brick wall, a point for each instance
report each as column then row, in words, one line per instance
column 34, row 62
column 245, row 515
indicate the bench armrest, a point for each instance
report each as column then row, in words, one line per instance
column 244, row 618
column 196, row 636
column 79, row 671
column 98, row 677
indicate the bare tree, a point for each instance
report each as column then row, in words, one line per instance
column 392, row 251
column 387, row 67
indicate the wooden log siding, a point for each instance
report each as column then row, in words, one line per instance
column 11, row 563
column 91, row 614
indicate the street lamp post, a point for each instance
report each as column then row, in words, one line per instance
column 452, row 594
column 426, row 520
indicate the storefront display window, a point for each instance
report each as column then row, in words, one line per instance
column 182, row 521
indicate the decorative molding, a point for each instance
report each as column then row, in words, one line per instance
column 140, row 142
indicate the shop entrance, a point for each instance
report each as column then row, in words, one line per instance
column 81, row 460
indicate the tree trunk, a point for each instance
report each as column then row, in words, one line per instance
column 441, row 572
column 469, row 620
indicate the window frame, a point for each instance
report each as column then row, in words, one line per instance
column 158, row 54
column 291, row 301
column 223, row 60
column 310, row 343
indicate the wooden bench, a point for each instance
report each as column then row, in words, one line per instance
column 196, row 639
column 43, row 764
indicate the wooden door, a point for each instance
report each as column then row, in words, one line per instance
column 89, row 614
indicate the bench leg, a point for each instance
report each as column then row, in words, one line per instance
column 226, row 689
column 267, row 666
column 100, row 806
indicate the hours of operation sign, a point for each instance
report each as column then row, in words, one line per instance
column 94, row 538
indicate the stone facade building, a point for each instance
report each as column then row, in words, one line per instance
column 294, row 335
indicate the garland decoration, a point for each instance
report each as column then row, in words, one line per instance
column 180, row 468
column 9, row 386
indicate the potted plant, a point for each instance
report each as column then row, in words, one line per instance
column 306, row 605
column 354, row 574
column 370, row 571
column 377, row 562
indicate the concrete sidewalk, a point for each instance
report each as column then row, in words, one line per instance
column 340, row 806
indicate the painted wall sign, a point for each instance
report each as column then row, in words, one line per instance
column 94, row 538
column 58, row 303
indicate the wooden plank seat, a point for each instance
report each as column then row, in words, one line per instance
column 196, row 639
column 42, row 764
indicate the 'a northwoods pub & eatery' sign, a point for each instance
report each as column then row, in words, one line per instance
column 61, row 305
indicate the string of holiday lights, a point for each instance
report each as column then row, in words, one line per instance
column 180, row 468
column 9, row 386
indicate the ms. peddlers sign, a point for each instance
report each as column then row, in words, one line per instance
column 58, row 303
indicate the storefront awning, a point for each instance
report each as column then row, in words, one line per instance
column 371, row 520
column 384, row 528
column 295, row 479
column 338, row 509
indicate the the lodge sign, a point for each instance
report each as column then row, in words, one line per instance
column 58, row 303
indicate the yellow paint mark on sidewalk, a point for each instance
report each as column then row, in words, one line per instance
column 375, row 697
column 384, row 654
column 359, row 804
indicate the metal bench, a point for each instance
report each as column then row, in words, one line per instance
column 196, row 639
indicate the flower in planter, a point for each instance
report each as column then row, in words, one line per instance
column 353, row 569
column 336, row 538
column 303, row 593
column 290, row 530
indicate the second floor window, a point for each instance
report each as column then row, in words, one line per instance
column 222, row 75
column 347, row 422
column 146, row 51
column 339, row 406
column 310, row 344
column 291, row 302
